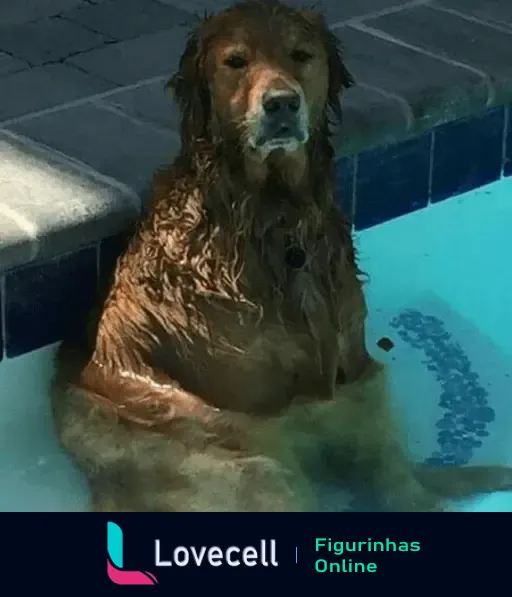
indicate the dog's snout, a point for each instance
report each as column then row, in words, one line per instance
column 282, row 121
column 280, row 102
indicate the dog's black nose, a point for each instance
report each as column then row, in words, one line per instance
column 281, row 102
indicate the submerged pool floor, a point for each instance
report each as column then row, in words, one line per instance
column 440, row 288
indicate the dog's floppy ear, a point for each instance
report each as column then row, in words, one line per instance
column 190, row 90
column 339, row 76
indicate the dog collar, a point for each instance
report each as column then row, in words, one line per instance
column 295, row 257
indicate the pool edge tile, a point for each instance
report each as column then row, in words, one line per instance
column 2, row 312
column 392, row 181
column 476, row 163
column 45, row 300
column 507, row 157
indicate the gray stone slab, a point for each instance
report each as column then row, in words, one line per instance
column 150, row 102
column 15, row 12
column 473, row 44
column 133, row 60
column 435, row 90
column 124, row 19
column 334, row 10
column 370, row 118
column 9, row 64
column 337, row 11
column 17, row 242
column 45, row 87
column 199, row 6
column 48, row 40
column 109, row 142
column 497, row 11
column 50, row 204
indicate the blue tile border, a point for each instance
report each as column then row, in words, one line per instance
column 44, row 301
column 109, row 250
column 345, row 184
column 467, row 154
column 399, row 178
column 40, row 302
column 392, row 181
column 507, row 166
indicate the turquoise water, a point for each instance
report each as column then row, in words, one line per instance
column 440, row 288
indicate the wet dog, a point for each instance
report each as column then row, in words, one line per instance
column 226, row 369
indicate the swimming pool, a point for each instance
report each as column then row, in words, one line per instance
column 439, row 288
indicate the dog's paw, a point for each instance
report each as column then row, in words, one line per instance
column 414, row 498
column 466, row 481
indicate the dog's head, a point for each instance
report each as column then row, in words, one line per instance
column 261, row 74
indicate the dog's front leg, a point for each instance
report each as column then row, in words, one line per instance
column 361, row 426
column 381, row 454
column 197, row 459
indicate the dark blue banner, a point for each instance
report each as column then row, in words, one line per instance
column 242, row 552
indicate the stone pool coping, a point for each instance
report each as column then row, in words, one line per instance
column 428, row 119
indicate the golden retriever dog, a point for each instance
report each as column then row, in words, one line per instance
column 226, row 369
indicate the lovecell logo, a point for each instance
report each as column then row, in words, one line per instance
column 115, row 561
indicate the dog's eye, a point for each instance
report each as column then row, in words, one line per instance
column 301, row 56
column 235, row 61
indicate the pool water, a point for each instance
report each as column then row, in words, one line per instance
column 439, row 288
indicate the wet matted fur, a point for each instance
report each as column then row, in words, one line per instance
column 226, row 369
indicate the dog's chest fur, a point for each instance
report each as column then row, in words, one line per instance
column 248, row 302
column 277, row 343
